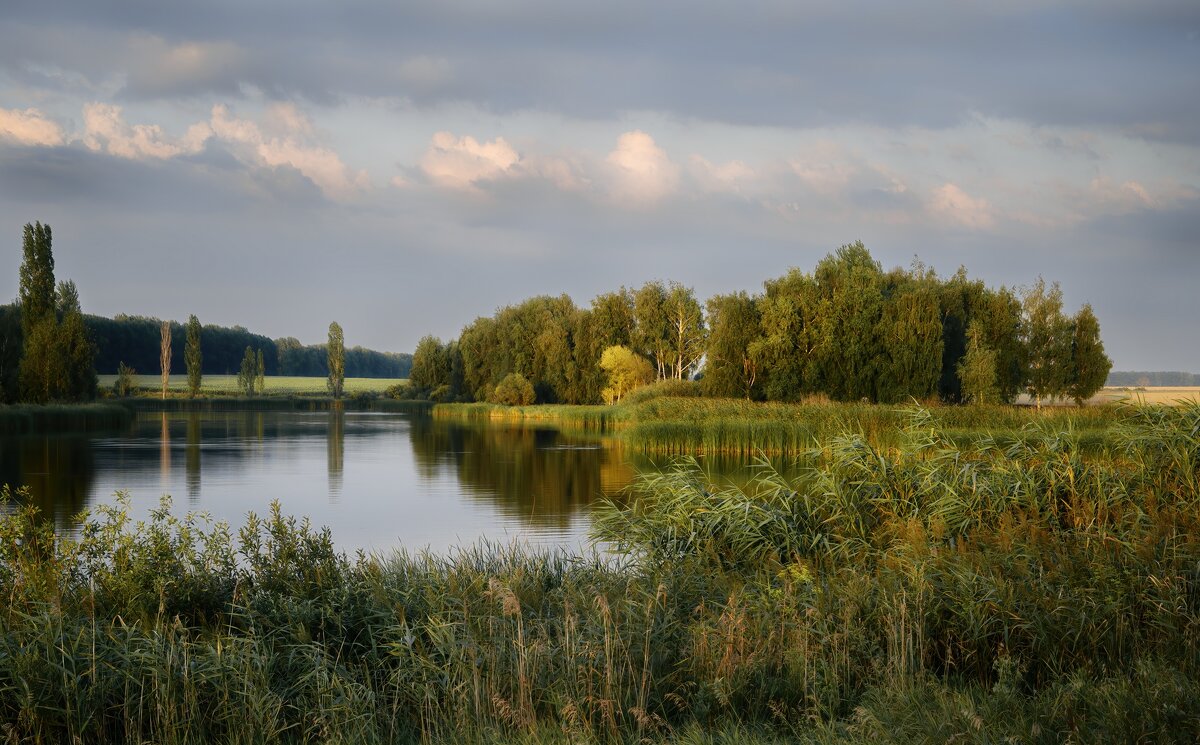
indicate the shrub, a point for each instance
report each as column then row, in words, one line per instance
column 514, row 390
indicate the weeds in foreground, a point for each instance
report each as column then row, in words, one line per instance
column 919, row 592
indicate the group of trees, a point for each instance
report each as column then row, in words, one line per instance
column 46, row 352
column 848, row 330
column 135, row 340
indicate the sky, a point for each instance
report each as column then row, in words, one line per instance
column 403, row 168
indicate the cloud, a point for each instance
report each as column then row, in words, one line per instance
column 732, row 177
column 156, row 69
column 464, row 162
column 291, row 147
column 640, row 171
column 29, row 127
column 105, row 129
column 952, row 204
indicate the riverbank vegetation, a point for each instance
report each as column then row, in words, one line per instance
column 848, row 331
column 673, row 418
column 924, row 592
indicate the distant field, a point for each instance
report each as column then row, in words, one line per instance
column 273, row 384
column 1154, row 395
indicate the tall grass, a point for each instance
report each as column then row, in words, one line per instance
column 663, row 422
column 923, row 592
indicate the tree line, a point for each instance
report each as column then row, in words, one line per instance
column 1170, row 378
column 51, row 351
column 847, row 330
column 134, row 340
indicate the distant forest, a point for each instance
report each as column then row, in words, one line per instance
column 1140, row 379
column 134, row 340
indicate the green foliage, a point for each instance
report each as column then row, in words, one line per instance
column 431, row 364
column 194, row 358
column 977, row 370
column 57, row 352
column 124, row 384
column 336, row 355
column 730, row 368
column 247, row 373
column 1047, row 339
column 36, row 292
column 625, row 371
column 12, row 341
column 513, row 390
column 260, row 372
column 1089, row 364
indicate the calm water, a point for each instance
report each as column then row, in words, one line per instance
column 379, row 481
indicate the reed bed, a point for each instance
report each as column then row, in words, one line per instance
column 924, row 592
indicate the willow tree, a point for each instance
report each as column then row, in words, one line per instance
column 164, row 355
column 1047, row 337
column 730, row 369
column 336, row 351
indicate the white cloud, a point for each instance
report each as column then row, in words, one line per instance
column 952, row 204
column 105, row 129
column 463, row 162
column 826, row 167
column 640, row 171
column 29, row 127
column 292, row 148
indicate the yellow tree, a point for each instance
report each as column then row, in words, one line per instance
column 626, row 370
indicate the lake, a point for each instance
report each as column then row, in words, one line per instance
column 379, row 481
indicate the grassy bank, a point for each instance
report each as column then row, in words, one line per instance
column 695, row 425
column 274, row 385
column 27, row 419
column 924, row 592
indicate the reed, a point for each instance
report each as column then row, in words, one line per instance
column 923, row 591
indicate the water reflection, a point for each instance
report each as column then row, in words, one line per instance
column 335, row 449
column 59, row 472
column 377, row 480
column 192, row 458
column 540, row 475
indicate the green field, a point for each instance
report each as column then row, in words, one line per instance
column 281, row 385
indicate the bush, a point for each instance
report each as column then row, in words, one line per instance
column 514, row 390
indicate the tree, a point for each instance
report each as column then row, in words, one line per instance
column 910, row 332
column 1047, row 339
column 336, row 353
column 513, row 390
column 192, row 356
column 36, row 292
column 626, row 370
column 12, row 341
column 164, row 355
column 260, row 372
column 124, row 382
column 850, row 286
column 247, row 373
column 730, row 369
column 786, row 350
column 652, row 333
column 685, row 320
column 1089, row 364
column 75, row 347
column 977, row 369
column 431, row 364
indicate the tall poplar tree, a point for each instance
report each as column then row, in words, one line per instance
column 37, row 277
column 192, row 356
column 336, row 350
column 164, row 355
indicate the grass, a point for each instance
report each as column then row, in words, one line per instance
column 928, row 591
column 274, row 385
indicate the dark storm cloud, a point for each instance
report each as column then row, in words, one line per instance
column 932, row 63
